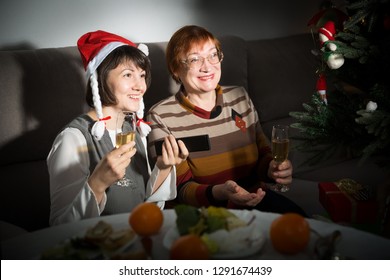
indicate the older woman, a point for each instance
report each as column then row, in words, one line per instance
column 232, row 173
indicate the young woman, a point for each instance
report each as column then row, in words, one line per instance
column 83, row 164
column 232, row 173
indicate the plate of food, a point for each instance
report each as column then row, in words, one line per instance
column 229, row 234
column 101, row 241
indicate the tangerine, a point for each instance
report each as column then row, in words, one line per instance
column 290, row 233
column 189, row 247
column 146, row 219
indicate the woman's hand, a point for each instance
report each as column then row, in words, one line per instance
column 233, row 192
column 281, row 173
column 111, row 168
column 173, row 153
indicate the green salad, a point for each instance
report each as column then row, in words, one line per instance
column 220, row 229
column 205, row 220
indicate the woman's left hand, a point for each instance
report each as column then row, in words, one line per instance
column 281, row 173
column 173, row 153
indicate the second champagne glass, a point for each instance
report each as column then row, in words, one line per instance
column 280, row 150
column 125, row 132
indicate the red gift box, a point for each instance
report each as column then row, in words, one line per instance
column 342, row 207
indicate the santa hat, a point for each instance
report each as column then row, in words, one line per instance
column 94, row 47
column 328, row 30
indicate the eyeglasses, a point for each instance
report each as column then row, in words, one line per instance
column 196, row 61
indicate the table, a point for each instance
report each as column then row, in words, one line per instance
column 354, row 244
column 306, row 194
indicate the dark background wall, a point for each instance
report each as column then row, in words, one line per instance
column 58, row 23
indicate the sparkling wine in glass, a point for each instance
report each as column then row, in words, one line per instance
column 280, row 150
column 125, row 132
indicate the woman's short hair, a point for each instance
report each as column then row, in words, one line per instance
column 182, row 41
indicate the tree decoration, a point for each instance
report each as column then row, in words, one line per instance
column 350, row 111
column 321, row 88
column 333, row 59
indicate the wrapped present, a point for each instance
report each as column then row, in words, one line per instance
column 348, row 202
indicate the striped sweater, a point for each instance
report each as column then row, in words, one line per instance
column 239, row 150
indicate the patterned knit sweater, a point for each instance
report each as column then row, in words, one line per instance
column 239, row 150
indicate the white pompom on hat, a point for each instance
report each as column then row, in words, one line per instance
column 94, row 47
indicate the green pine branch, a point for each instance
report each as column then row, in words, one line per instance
column 345, row 123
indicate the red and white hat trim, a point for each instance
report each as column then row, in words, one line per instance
column 101, row 55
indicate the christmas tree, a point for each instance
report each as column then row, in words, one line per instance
column 350, row 109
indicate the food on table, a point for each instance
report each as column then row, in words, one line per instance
column 99, row 232
column 290, row 233
column 99, row 242
column 220, row 229
column 189, row 247
column 117, row 239
column 205, row 220
column 146, row 219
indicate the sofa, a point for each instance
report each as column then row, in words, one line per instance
column 43, row 89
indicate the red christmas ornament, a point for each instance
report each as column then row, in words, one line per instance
column 325, row 15
column 321, row 88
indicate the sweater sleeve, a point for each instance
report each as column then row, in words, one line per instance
column 188, row 191
column 191, row 192
column 68, row 165
column 167, row 190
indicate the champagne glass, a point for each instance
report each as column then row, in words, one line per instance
column 125, row 132
column 280, row 150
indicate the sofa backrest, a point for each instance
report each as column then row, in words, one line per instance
column 41, row 90
column 281, row 76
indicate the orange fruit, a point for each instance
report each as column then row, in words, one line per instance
column 189, row 247
column 146, row 219
column 290, row 233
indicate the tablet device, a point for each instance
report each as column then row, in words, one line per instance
column 193, row 143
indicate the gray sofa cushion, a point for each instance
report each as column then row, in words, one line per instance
column 41, row 90
column 281, row 75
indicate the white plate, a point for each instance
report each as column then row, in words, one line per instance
column 237, row 243
column 65, row 249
